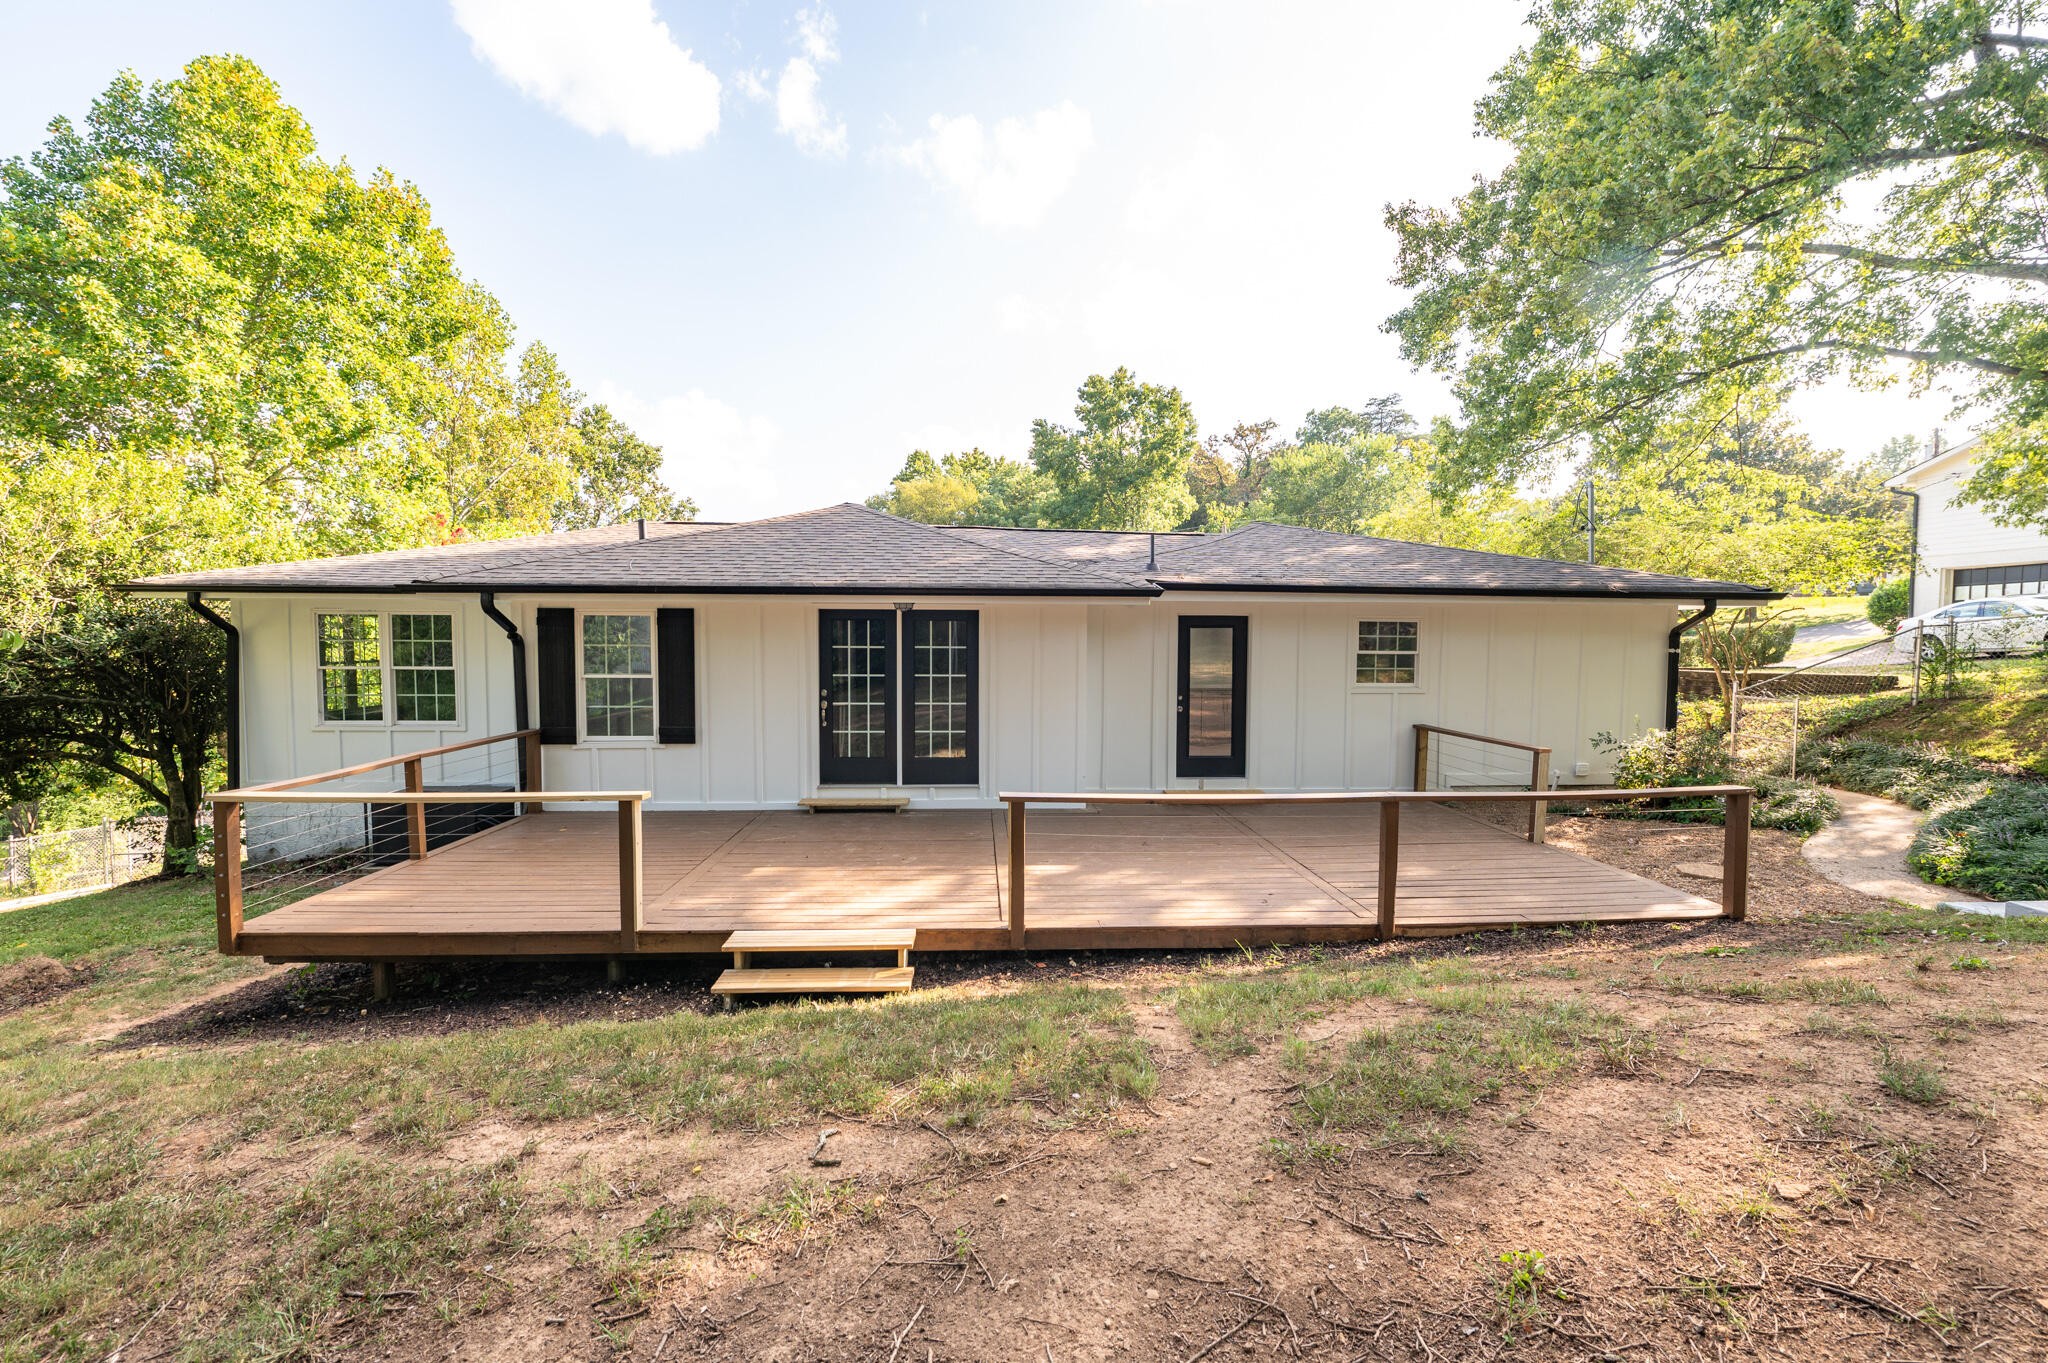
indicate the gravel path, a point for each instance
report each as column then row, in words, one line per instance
column 1865, row 849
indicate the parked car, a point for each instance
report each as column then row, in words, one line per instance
column 1994, row 626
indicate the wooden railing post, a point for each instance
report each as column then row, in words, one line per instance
column 629, row 874
column 1539, row 779
column 227, row 874
column 1421, row 758
column 1016, row 808
column 530, row 777
column 1735, row 857
column 1390, row 864
column 416, row 812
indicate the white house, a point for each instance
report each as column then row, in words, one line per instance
column 845, row 652
column 1959, row 552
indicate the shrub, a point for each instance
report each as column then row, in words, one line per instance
column 1889, row 604
column 1919, row 774
column 1791, row 805
column 1995, row 843
column 1699, row 757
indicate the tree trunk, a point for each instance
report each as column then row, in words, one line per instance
column 181, row 814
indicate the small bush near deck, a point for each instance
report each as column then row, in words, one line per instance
column 1698, row 756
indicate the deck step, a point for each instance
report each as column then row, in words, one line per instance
column 893, row 979
column 821, row 939
column 848, row 804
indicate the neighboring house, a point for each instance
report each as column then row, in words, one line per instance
column 846, row 652
column 1959, row 552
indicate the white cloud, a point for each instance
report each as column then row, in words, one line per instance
column 1008, row 175
column 817, row 33
column 608, row 66
column 752, row 82
column 801, row 114
column 710, row 451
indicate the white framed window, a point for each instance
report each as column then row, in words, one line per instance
column 618, row 676
column 381, row 667
column 1387, row 653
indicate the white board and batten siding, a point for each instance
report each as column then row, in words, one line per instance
column 1554, row 673
column 1075, row 695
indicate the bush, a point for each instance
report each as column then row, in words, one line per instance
column 1699, row 757
column 1791, row 805
column 1995, row 843
column 1919, row 774
column 1694, row 757
column 1889, row 604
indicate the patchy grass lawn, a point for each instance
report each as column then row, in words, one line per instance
column 1551, row 1144
column 134, row 1170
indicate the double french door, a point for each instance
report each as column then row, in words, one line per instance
column 898, row 697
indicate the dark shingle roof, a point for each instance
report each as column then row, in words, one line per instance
column 841, row 548
column 855, row 549
column 1262, row 556
column 405, row 569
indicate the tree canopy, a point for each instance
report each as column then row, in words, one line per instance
column 1122, row 465
column 1708, row 199
column 218, row 347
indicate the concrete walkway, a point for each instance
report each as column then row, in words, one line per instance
column 1865, row 849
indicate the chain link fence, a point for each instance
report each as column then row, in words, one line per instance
column 76, row 859
column 1772, row 711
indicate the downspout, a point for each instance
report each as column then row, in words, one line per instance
column 489, row 602
column 233, row 737
column 1671, row 663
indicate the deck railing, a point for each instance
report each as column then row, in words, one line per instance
column 1452, row 759
column 1734, row 834
column 416, row 802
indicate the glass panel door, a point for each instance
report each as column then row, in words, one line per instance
column 1210, row 703
column 857, row 697
column 941, row 699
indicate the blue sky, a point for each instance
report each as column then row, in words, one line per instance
column 792, row 243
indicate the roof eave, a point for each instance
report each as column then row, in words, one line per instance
column 1701, row 593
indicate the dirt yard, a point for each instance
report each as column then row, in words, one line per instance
column 1813, row 1135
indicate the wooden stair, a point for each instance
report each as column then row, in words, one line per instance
column 745, row 978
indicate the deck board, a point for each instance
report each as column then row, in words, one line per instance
column 1120, row 876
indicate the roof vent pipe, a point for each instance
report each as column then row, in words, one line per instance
column 1152, row 552
column 642, row 523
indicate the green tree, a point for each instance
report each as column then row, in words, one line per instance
column 973, row 488
column 1684, row 221
column 134, row 689
column 1342, row 425
column 1339, row 485
column 1123, row 464
column 216, row 348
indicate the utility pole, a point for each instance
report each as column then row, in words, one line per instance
column 1589, row 516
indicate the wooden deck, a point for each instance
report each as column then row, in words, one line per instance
column 1115, row 876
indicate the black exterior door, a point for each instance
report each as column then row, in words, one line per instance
column 941, row 697
column 1210, row 701
column 857, row 697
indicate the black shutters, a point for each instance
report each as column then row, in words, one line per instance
column 675, row 675
column 857, row 697
column 1209, row 715
column 941, row 697
column 555, row 639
